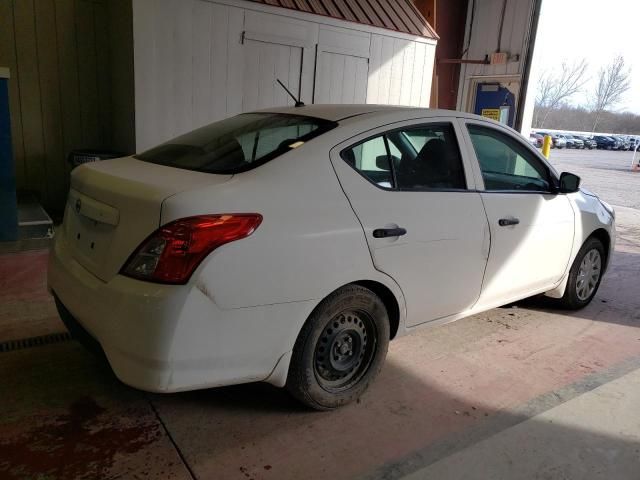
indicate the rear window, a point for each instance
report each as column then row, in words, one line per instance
column 237, row 144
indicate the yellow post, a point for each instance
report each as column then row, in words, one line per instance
column 546, row 146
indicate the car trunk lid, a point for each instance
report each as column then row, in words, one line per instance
column 114, row 205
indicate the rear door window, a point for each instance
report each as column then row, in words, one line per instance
column 430, row 158
column 371, row 160
column 421, row 158
column 237, row 144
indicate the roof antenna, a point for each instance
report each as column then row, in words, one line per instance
column 297, row 100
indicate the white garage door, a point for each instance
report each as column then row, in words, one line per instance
column 341, row 78
column 264, row 63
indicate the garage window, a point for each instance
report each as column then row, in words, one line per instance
column 237, row 144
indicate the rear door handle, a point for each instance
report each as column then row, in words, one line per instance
column 389, row 232
column 505, row 222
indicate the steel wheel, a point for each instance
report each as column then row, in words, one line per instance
column 344, row 350
column 340, row 349
column 588, row 274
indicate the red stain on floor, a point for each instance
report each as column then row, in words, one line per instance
column 79, row 444
column 21, row 275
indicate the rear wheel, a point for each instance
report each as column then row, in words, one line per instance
column 585, row 275
column 340, row 350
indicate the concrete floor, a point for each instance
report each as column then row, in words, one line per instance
column 518, row 392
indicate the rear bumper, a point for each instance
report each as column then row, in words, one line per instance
column 166, row 338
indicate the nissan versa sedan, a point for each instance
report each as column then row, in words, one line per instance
column 291, row 245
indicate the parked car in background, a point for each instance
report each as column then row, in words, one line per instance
column 212, row 260
column 577, row 141
column 604, row 143
column 618, row 142
column 556, row 142
column 568, row 140
column 589, row 142
column 592, row 142
column 544, row 134
column 536, row 139
column 559, row 141
column 624, row 142
column 631, row 141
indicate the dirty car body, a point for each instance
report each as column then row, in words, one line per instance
column 201, row 262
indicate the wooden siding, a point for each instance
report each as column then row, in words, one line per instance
column 62, row 85
column 183, row 82
column 400, row 72
column 341, row 78
column 265, row 63
column 237, row 50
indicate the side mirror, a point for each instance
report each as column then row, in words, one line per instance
column 569, row 182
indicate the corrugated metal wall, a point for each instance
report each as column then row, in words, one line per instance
column 485, row 38
column 71, row 85
column 398, row 15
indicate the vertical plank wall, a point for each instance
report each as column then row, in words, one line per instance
column 197, row 61
column 188, row 57
column 66, row 70
column 400, row 71
column 341, row 78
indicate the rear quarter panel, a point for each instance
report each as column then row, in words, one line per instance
column 309, row 243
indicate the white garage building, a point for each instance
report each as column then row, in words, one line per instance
column 196, row 61
column 122, row 75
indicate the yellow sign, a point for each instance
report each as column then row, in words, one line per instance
column 492, row 113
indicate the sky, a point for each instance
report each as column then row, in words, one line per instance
column 570, row 30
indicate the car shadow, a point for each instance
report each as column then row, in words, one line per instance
column 442, row 390
column 403, row 424
column 617, row 299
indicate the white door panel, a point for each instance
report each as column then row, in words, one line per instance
column 340, row 78
column 532, row 254
column 264, row 64
column 439, row 263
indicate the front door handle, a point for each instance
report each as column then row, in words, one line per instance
column 389, row 232
column 505, row 222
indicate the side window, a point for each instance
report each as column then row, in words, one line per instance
column 370, row 158
column 429, row 158
column 506, row 163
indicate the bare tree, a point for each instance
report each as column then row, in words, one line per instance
column 613, row 83
column 557, row 87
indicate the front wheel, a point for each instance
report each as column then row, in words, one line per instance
column 340, row 349
column 585, row 275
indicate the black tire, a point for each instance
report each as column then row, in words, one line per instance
column 571, row 300
column 353, row 326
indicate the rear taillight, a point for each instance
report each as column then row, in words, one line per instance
column 174, row 251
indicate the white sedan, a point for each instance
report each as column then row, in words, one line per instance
column 290, row 245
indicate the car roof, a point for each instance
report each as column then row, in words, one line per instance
column 339, row 112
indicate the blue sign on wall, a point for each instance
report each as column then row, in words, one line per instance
column 496, row 102
column 8, row 204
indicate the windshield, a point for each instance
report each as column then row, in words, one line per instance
column 237, row 144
